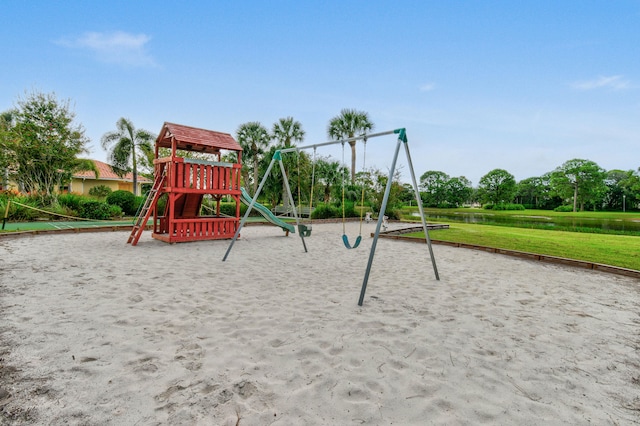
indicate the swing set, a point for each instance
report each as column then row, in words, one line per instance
column 345, row 239
column 305, row 231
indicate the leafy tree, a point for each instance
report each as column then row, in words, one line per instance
column 254, row 139
column 613, row 197
column 126, row 144
column 298, row 174
column 498, row 186
column 348, row 124
column 579, row 180
column 533, row 192
column 394, row 202
column 623, row 189
column 632, row 189
column 7, row 121
column 407, row 195
column 42, row 145
column 458, row 190
column 434, row 186
column 286, row 132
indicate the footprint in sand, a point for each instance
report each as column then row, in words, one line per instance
column 190, row 356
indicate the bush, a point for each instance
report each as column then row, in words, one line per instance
column 229, row 209
column 115, row 211
column 100, row 191
column 138, row 203
column 326, row 211
column 71, row 201
column 394, row 214
column 563, row 209
column 503, row 206
column 125, row 200
column 91, row 209
column 23, row 214
column 349, row 210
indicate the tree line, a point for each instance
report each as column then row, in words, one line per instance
column 41, row 147
column 576, row 185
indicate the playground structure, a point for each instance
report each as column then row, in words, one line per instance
column 303, row 232
column 184, row 182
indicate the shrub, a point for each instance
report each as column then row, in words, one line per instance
column 563, row 209
column 71, row 201
column 124, row 199
column 229, row 209
column 23, row 214
column 114, row 211
column 349, row 210
column 503, row 206
column 91, row 209
column 138, row 203
column 100, row 191
column 394, row 214
column 326, row 211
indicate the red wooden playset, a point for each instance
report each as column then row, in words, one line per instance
column 180, row 185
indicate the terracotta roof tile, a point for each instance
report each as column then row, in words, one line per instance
column 107, row 173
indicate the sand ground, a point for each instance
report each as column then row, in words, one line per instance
column 94, row 331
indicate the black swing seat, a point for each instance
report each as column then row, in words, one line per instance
column 304, row 230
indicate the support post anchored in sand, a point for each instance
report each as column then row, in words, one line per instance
column 276, row 157
column 402, row 139
column 6, row 214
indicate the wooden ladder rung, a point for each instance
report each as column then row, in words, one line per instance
column 143, row 216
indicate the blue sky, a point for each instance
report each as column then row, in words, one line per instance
column 518, row 85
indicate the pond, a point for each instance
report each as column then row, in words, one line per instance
column 525, row 220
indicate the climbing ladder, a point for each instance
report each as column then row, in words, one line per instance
column 145, row 210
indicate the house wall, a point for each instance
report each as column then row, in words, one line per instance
column 83, row 186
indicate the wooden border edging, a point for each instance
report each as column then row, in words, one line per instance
column 111, row 228
column 521, row 254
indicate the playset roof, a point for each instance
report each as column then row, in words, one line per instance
column 194, row 139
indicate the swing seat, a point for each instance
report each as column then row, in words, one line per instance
column 304, row 230
column 345, row 240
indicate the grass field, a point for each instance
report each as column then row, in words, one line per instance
column 615, row 250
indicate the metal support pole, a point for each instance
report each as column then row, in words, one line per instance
column 246, row 215
column 419, row 201
column 6, row 214
column 295, row 211
column 383, row 208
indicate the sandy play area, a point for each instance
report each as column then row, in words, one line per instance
column 96, row 332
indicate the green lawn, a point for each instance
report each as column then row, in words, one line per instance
column 615, row 250
column 545, row 213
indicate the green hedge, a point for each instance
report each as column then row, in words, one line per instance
column 91, row 209
column 503, row 206
column 125, row 200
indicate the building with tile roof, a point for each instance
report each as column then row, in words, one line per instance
column 82, row 182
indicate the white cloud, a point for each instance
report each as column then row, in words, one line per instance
column 427, row 87
column 614, row 82
column 116, row 47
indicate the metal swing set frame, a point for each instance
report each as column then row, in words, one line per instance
column 303, row 231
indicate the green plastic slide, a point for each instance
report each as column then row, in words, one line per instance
column 246, row 199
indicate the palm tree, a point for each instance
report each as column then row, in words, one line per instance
column 286, row 131
column 124, row 144
column 254, row 138
column 348, row 124
column 329, row 174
